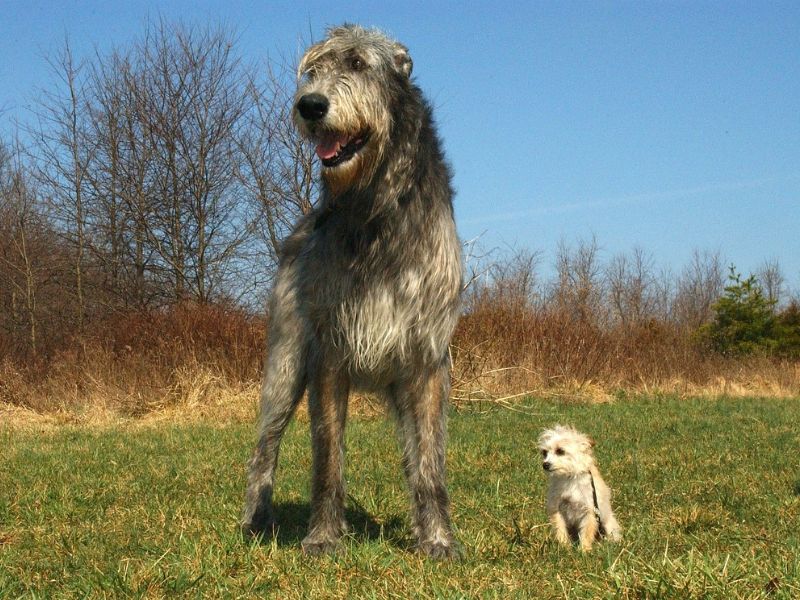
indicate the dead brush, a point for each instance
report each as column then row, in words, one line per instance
column 509, row 345
column 506, row 347
column 138, row 363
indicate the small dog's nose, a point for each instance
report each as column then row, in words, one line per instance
column 546, row 466
column 313, row 107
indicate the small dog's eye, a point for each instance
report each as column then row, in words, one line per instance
column 560, row 451
column 544, row 452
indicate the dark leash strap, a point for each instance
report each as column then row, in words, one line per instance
column 600, row 529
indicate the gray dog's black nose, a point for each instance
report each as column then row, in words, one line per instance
column 313, row 107
column 546, row 466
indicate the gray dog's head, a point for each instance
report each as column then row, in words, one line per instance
column 348, row 85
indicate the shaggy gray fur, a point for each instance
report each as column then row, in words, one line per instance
column 368, row 287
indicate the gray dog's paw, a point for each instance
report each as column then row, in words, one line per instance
column 441, row 551
column 320, row 546
column 264, row 528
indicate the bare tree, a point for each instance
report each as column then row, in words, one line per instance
column 631, row 286
column 191, row 102
column 104, row 173
column 511, row 281
column 579, row 286
column 698, row 287
column 20, row 256
column 139, row 167
column 278, row 167
column 62, row 152
column 664, row 294
column 173, row 170
column 771, row 278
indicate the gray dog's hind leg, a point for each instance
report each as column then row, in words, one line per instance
column 284, row 384
column 327, row 405
column 421, row 408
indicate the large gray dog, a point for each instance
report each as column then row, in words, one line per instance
column 368, row 287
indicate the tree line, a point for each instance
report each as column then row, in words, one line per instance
column 156, row 174
column 167, row 173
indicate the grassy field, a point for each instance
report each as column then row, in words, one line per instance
column 708, row 494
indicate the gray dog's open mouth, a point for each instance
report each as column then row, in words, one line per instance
column 335, row 148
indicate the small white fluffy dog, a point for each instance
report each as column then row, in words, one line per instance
column 578, row 500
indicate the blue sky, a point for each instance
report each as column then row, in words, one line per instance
column 667, row 125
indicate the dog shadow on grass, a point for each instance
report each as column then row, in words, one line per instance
column 292, row 525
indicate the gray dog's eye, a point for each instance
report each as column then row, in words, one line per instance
column 356, row 64
column 308, row 75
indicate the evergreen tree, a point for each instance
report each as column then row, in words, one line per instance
column 744, row 319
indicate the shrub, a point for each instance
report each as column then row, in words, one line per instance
column 788, row 331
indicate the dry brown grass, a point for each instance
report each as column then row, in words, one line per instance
column 101, row 389
column 199, row 361
column 504, row 349
column 204, row 363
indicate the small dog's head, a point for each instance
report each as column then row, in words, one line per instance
column 565, row 451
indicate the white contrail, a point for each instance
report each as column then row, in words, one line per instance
column 631, row 199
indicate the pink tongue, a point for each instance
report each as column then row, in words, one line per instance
column 328, row 147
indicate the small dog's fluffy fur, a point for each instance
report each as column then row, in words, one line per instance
column 568, row 460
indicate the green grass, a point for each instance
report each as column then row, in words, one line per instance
column 707, row 492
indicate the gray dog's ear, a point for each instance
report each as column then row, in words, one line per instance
column 402, row 60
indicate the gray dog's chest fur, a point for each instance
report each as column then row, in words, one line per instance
column 391, row 293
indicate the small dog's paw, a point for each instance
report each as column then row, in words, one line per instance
column 615, row 535
column 562, row 537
